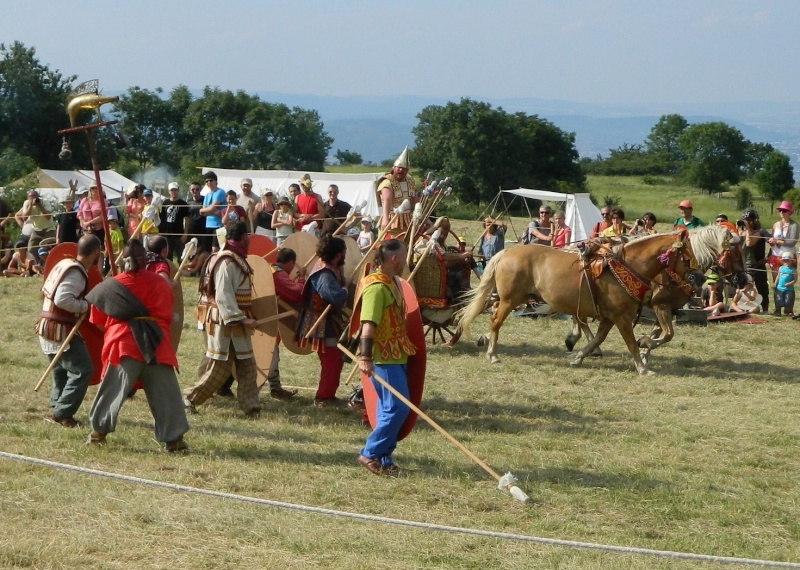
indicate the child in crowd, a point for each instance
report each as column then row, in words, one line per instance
column 283, row 220
column 746, row 299
column 784, row 286
column 366, row 238
column 117, row 241
column 712, row 296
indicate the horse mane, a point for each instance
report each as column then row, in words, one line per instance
column 707, row 243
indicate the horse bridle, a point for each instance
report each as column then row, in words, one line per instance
column 686, row 253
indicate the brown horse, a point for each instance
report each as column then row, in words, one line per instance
column 713, row 246
column 559, row 279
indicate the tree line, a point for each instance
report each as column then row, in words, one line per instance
column 481, row 148
column 712, row 156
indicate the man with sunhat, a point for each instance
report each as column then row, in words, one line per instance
column 688, row 220
column 393, row 189
column 67, row 221
column 308, row 205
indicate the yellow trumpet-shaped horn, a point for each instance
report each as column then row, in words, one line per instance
column 88, row 101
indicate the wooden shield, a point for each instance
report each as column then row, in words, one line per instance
column 264, row 306
column 178, row 312
column 305, row 246
column 261, row 246
column 351, row 259
column 91, row 335
column 415, row 369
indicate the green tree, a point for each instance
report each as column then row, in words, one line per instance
column 32, row 105
column 715, row 155
column 663, row 142
column 756, row 154
column 152, row 125
column 237, row 130
column 13, row 165
column 347, row 157
column 483, row 149
column 776, row 177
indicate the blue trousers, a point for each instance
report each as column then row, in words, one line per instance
column 391, row 413
column 71, row 376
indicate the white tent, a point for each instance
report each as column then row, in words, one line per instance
column 353, row 188
column 580, row 213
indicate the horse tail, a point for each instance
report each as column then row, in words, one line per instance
column 477, row 299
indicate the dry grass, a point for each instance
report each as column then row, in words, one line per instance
column 702, row 457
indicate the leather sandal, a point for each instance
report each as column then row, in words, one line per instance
column 371, row 465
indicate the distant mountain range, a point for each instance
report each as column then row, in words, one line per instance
column 379, row 127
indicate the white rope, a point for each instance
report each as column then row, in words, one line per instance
column 401, row 522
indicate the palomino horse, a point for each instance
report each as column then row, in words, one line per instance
column 713, row 246
column 561, row 280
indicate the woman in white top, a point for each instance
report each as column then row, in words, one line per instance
column 784, row 238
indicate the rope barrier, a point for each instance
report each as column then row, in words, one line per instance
column 675, row 555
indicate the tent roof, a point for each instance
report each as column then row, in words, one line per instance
column 353, row 188
column 114, row 184
column 581, row 213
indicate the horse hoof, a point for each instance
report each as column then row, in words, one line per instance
column 494, row 360
column 576, row 363
column 570, row 344
column 481, row 340
column 597, row 353
column 646, row 372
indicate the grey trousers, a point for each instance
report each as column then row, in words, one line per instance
column 163, row 396
column 71, row 375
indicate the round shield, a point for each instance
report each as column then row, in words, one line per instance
column 264, row 306
column 262, row 246
column 305, row 246
column 176, row 327
column 352, row 258
column 415, row 369
column 91, row 335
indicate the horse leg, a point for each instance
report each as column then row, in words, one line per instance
column 665, row 327
column 602, row 332
column 502, row 310
column 625, row 328
column 589, row 336
column 574, row 335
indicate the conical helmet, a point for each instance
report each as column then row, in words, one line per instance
column 402, row 160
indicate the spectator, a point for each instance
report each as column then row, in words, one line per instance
column 688, row 220
column 562, row 233
column 784, row 286
column 754, row 248
column 712, row 296
column 617, row 227
column 34, row 211
column 540, row 231
column 746, row 299
column 134, row 207
column 646, row 226
column 784, row 238
column 67, row 221
column 263, row 215
column 283, row 220
column 598, row 228
column 493, row 239
column 366, row 238
column 248, row 201
column 175, row 223
column 233, row 212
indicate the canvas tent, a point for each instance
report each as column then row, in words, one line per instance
column 53, row 185
column 579, row 211
column 352, row 187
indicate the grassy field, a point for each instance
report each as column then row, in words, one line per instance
column 703, row 457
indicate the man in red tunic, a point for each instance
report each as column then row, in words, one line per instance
column 308, row 204
column 135, row 311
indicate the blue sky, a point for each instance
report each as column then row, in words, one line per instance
column 598, row 51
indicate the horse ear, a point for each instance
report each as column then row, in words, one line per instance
column 684, row 234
